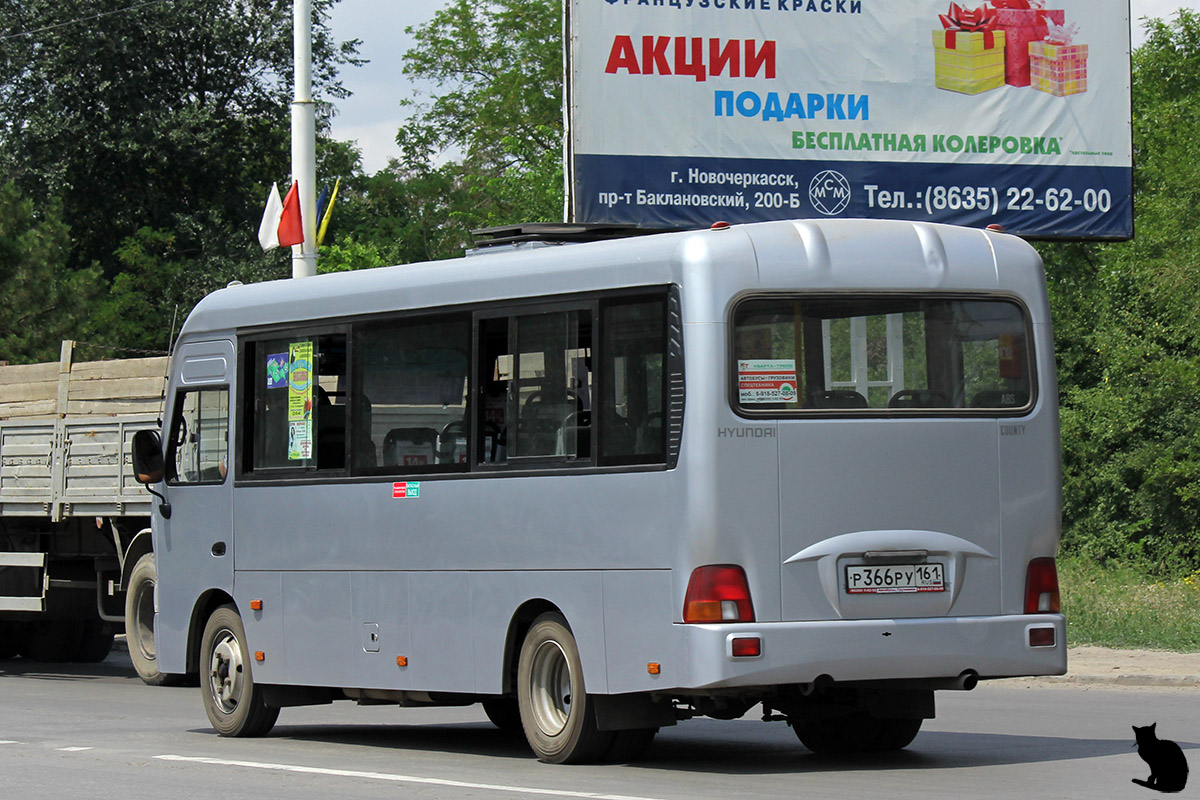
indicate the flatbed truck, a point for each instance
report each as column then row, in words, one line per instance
column 76, row 559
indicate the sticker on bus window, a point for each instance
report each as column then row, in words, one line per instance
column 404, row 490
column 277, row 371
column 300, row 381
column 770, row 380
column 300, row 440
column 1010, row 362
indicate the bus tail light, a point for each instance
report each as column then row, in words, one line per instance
column 1041, row 587
column 718, row 593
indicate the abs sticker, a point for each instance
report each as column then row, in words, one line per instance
column 404, row 490
column 771, row 380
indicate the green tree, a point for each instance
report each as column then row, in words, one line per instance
column 1127, row 320
column 42, row 301
column 138, row 115
column 486, row 149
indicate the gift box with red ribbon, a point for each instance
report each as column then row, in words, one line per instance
column 1023, row 22
column 1057, row 65
column 968, row 51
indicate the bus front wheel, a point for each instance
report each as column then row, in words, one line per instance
column 139, row 624
column 234, row 705
column 556, row 713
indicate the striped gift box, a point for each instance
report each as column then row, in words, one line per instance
column 1058, row 69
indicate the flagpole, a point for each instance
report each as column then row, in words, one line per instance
column 304, row 140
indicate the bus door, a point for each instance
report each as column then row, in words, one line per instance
column 198, row 537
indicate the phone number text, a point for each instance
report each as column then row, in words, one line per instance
column 935, row 199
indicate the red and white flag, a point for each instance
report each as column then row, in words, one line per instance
column 281, row 224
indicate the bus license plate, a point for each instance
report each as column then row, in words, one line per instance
column 894, row 579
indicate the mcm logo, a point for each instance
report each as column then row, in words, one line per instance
column 829, row 192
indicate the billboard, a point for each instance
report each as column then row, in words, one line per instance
column 1015, row 112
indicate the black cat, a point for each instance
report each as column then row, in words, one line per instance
column 1168, row 767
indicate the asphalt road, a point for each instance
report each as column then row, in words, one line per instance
column 98, row 732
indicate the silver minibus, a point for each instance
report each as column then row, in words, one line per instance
column 805, row 466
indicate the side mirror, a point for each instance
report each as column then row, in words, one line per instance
column 148, row 465
column 147, row 457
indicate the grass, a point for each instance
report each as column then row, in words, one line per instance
column 1117, row 606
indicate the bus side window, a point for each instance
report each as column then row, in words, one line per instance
column 496, row 366
column 633, row 407
column 415, row 373
column 198, row 450
column 553, row 385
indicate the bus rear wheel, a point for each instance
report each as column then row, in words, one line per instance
column 556, row 713
column 234, row 704
column 856, row 733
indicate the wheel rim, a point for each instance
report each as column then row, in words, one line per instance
column 226, row 672
column 143, row 619
column 550, row 693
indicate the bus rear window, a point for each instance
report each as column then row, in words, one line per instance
column 856, row 354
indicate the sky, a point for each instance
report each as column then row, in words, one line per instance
column 372, row 115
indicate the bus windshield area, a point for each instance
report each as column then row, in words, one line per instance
column 881, row 353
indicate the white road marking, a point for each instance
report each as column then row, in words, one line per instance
column 72, row 749
column 386, row 776
column 8, row 741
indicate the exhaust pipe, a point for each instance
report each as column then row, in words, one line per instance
column 967, row 681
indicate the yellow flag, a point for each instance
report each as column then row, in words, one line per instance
column 328, row 213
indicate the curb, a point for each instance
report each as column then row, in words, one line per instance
column 1119, row 680
column 1091, row 679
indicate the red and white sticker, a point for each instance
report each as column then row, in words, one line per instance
column 404, row 490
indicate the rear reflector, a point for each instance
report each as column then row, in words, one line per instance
column 1041, row 587
column 718, row 593
column 747, row 647
column 1041, row 637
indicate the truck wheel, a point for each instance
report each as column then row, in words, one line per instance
column 556, row 713
column 96, row 642
column 10, row 640
column 51, row 640
column 139, row 624
column 233, row 703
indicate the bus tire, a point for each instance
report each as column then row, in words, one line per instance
column 896, row 734
column 234, row 705
column 853, row 733
column 556, row 713
column 96, row 642
column 503, row 712
column 139, row 624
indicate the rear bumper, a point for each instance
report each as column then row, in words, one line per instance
column 864, row 650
